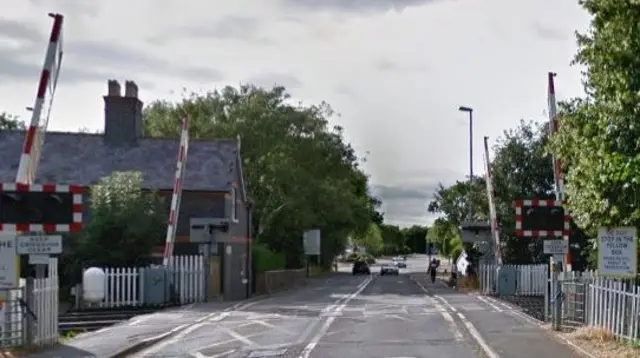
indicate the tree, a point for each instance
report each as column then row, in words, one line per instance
column 598, row 134
column 394, row 242
column 465, row 200
column 302, row 174
column 371, row 240
column 521, row 168
column 414, row 238
column 10, row 122
column 445, row 237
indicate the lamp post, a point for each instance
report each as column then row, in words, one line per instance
column 470, row 111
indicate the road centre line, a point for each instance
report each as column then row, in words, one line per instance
column 306, row 352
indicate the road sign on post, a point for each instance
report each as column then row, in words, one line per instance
column 311, row 242
column 38, row 244
column 618, row 252
column 555, row 246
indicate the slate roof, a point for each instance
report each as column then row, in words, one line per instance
column 79, row 158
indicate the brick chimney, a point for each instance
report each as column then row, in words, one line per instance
column 122, row 114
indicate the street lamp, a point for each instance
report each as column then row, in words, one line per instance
column 470, row 111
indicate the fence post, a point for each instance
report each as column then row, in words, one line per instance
column 30, row 321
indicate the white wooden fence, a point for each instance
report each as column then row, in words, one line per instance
column 45, row 308
column 124, row 286
column 531, row 280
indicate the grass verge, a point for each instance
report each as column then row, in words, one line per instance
column 602, row 344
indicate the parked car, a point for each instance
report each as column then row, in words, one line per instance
column 361, row 267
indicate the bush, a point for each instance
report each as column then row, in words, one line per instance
column 265, row 259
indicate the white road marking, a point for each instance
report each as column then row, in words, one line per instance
column 187, row 329
column 306, row 352
column 272, row 326
column 399, row 317
column 472, row 330
column 218, row 355
column 238, row 336
column 476, row 335
column 496, row 308
column 514, row 312
column 453, row 327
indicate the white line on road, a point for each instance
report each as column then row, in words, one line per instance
column 453, row 327
column 476, row 335
column 306, row 352
column 496, row 308
column 238, row 336
column 183, row 332
column 472, row 330
column 514, row 312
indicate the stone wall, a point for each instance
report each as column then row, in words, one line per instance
column 280, row 280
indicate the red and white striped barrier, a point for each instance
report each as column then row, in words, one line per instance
column 74, row 226
column 493, row 216
column 535, row 203
column 34, row 139
column 177, row 193
column 558, row 172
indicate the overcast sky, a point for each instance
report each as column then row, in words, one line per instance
column 396, row 70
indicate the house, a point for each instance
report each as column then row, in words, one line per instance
column 214, row 184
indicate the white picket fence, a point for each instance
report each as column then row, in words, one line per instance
column 124, row 286
column 45, row 307
column 531, row 280
column 609, row 304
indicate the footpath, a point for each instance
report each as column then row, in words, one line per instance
column 500, row 329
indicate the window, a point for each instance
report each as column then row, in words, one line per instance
column 234, row 205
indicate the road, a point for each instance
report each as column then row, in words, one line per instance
column 366, row 317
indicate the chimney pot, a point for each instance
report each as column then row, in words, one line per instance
column 130, row 89
column 113, row 88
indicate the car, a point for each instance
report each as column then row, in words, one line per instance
column 389, row 269
column 398, row 261
column 361, row 267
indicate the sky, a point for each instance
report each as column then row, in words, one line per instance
column 395, row 70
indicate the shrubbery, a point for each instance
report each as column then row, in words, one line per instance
column 266, row 260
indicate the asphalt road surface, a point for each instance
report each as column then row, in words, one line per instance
column 403, row 316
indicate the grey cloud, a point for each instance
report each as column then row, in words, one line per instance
column 20, row 31
column 357, row 6
column 344, row 90
column 405, row 204
column 387, row 65
column 232, row 27
column 270, row 79
column 96, row 61
column 547, row 32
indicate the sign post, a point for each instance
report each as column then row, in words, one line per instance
column 618, row 252
column 311, row 242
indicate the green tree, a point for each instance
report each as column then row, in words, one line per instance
column 371, row 240
column 9, row 121
column 445, row 237
column 302, row 173
column 461, row 201
column 598, row 133
column 394, row 241
column 414, row 238
column 125, row 222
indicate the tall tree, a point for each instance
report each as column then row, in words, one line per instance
column 598, row 138
column 302, row 174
